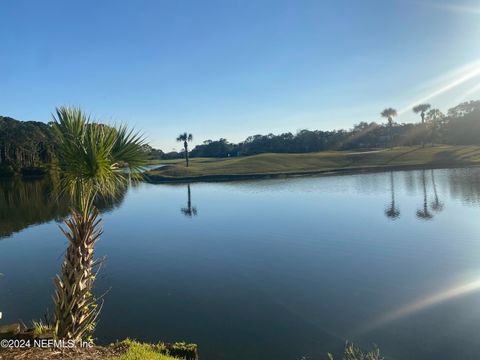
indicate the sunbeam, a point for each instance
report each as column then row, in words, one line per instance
column 458, row 8
column 470, row 92
column 463, row 75
column 422, row 304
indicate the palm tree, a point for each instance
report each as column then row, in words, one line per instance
column 422, row 109
column 185, row 138
column 389, row 114
column 91, row 156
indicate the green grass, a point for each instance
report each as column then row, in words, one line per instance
column 328, row 161
column 139, row 351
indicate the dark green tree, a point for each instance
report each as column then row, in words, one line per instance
column 434, row 119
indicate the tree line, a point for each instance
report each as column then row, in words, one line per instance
column 459, row 126
column 25, row 145
column 30, row 147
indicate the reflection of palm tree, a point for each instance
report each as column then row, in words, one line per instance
column 423, row 213
column 392, row 212
column 436, row 204
column 189, row 210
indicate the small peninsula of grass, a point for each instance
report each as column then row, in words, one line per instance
column 328, row 162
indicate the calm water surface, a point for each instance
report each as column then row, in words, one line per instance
column 270, row 269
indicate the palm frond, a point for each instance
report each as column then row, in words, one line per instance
column 421, row 108
column 388, row 113
column 91, row 155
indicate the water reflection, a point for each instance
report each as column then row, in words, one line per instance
column 424, row 213
column 436, row 204
column 265, row 264
column 428, row 209
column 35, row 201
column 27, row 202
column 189, row 210
column 392, row 212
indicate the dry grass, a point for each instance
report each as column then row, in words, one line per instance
column 265, row 164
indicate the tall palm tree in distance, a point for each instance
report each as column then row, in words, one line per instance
column 185, row 137
column 422, row 109
column 91, row 157
column 389, row 114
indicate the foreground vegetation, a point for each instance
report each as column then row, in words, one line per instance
column 122, row 350
column 267, row 165
column 133, row 350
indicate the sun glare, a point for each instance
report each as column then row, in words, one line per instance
column 458, row 77
column 424, row 303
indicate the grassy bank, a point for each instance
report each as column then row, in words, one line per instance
column 133, row 350
column 273, row 165
column 124, row 350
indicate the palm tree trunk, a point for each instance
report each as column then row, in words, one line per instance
column 423, row 130
column 75, row 306
column 185, row 144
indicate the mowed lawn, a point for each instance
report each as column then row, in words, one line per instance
column 271, row 164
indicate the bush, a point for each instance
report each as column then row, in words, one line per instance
column 353, row 352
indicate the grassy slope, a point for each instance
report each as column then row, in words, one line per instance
column 138, row 351
column 275, row 164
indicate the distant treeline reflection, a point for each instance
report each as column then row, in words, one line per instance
column 26, row 202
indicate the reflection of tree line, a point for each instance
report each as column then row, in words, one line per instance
column 28, row 202
column 426, row 211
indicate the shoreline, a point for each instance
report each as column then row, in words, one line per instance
column 159, row 179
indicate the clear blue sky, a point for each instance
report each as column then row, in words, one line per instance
column 236, row 68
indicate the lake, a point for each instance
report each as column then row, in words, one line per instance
column 269, row 269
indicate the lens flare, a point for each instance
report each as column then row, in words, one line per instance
column 458, row 8
column 470, row 92
column 422, row 304
column 461, row 76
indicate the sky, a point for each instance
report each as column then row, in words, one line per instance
column 236, row 68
